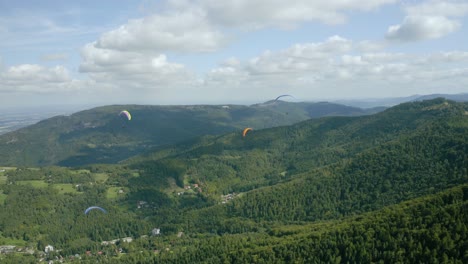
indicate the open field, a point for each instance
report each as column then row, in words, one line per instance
column 2, row 197
column 100, row 177
column 34, row 183
column 113, row 192
column 65, row 188
column 12, row 241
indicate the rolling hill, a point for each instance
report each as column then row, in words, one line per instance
column 98, row 135
column 401, row 153
column 392, row 101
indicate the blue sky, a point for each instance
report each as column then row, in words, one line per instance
column 239, row 51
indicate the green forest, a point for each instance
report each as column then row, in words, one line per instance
column 99, row 135
column 391, row 187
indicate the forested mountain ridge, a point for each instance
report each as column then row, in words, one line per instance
column 320, row 142
column 430, row 229
column 386, row 188
column 321, row 169
column 99, row 135
column 389, row 102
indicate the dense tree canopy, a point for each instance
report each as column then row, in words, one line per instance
column 386, row 188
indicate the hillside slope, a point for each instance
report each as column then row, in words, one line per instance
column 391, row 187
column 431, row 229
column 321, row 169
column 100, row 136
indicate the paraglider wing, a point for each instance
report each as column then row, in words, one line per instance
column 126, row 114
column 245, row 131
column 283, row 95
column 94, row 207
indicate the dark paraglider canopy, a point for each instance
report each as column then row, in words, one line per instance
column 283, row 95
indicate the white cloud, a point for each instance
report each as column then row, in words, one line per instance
column 97, row 60
column 332, row 45
column 198, row 26
column 133, row 55
column 333, row 68
column 122, row 70
column 179, row 31
column 337, row 68
column 304, row 61
column 131, row 60
column 428, row 20
column 135, row 62
column 36, row 79
column 449, row 57
column 254, row 14
column 276, row 72
column 299, row 57
column 416, row 28
column 439, row 8
column 370, row 46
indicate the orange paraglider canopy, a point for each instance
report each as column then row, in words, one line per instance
column 245, row 131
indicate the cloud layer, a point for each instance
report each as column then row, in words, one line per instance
column 135, row 62
column 255, row 14
column 186, row 31
column 35, row 79
column 416, row 28
column 428, row 20
column 335, row 67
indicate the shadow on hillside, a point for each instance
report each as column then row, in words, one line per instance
column 101, row 155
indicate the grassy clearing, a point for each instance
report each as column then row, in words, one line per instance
column 79, row 171
column 3, row 179
column 65, row 188
column 113, row 193
column 100, row 177
column 12, row 241
column 2, row 197
column 34, row 183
